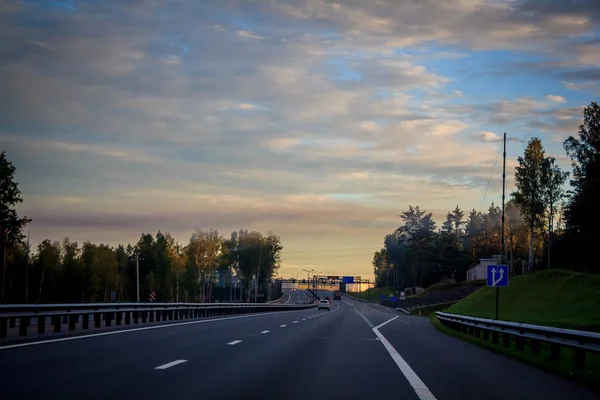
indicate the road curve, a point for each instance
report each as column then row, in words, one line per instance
column 285, row 355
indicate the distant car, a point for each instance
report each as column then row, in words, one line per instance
column 324, row 304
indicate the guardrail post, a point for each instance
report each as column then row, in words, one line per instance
column 128, row 318
column 520, row 343
column 97, row 320
column 41, row 325
column 486, row 335
column 554, row 351
column 72, row 322
column 535, row 347
column 85, row 321
column 56, row 323
column 23, row 324
column 12, row 322
column 136, row 317
column 151, row 319
column 65, row 319
column 144, row 317
column 495, row 337
column 108, row 319
column 579, row 358
column 118, row 318
column 505, row 340
column 3, row 327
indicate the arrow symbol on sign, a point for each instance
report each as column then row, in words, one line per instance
column 501, row 272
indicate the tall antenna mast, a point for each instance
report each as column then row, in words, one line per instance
column 503, row 253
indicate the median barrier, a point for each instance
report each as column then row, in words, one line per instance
column 103, row 314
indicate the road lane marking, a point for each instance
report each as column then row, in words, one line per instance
column 289, row 298
column 377, row 311
column 282, row 326
column 265, row 331
column 386, row 322
column 295, row 322
column 384, row 313
column 365, row 318
column 234, row 342
column 205, row 321
column 303, row 319
column 171, row 364
column 417, row 384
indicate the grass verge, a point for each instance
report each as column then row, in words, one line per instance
column 558, row 298
column 430, row 310
column 590, row 376
column 448, row 287
column 371, row 293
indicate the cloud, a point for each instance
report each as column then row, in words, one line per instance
column 488, row 137
column 556, row 99
column 284, row 115
column 249, row 35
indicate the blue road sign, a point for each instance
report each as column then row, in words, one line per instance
column 348, row 279
column 497, row 275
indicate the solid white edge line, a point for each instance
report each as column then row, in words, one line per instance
column 377, row 311
column 171, row 364
column 365, row 318
column 386, row 322
column 282, row 326
column 234, row 342
column 417, row 384
column 265, row 331
column 295, row 322
column 145, row 328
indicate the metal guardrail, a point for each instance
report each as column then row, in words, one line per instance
column 580, row 341
column 121, row 313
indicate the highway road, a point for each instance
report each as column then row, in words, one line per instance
column 296, row 297
column 355, row 351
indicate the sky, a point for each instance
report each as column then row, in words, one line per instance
column 318, row 120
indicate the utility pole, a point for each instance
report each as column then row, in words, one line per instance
column 502, row 252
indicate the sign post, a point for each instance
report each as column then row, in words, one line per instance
column 497, row 276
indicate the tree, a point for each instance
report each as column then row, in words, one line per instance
column 418, row 232
column 529, row 179
column 553, row 179
column 475, row 233
column 10, row 224
column 582, row 213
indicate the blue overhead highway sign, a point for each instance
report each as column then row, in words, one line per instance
column 497, row 275
column 348, row 279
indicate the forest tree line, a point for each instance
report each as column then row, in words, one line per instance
column 67, row 271
column 546, row 226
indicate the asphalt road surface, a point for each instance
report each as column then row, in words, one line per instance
column 355, row 351
column 296, row 297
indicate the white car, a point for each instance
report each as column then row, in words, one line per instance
column 324, row 304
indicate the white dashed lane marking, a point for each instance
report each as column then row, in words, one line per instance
column 171, row 364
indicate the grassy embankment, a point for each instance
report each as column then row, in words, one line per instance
column 374, row 293
column 556, row 298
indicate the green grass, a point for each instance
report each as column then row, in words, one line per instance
column 446, row 287
column 589, row 376
column 557, row 298
column 371, row 293
column 430, row 310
